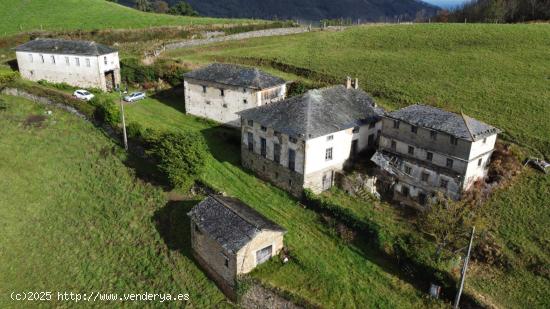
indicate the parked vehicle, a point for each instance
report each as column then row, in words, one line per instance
column 135, row 96
column 83, row 95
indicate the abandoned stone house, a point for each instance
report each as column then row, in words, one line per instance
column 219, row 91
column 77, row 63
column 230, row 238
column 428, row 150
column 302, row 141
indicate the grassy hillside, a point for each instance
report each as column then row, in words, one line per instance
column 74, row 218
column 28, row 15
column 497, row 73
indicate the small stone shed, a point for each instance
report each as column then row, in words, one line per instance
column 230, row 238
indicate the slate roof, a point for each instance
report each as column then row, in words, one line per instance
column 66, row 47
column 234, row 75
column 230, row 222
column 318, row 112
column 460, row 126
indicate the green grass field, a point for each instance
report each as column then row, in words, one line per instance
column 31, row 15
column 74, row 218
column 497, row 73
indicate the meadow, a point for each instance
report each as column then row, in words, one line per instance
column 23, row 16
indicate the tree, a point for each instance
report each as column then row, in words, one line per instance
column 183, row 8
column 160, row 6
column 143, row 5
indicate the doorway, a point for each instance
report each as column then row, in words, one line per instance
column 327, row 180
column 110, row 80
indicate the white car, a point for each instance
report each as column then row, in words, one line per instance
column 83, row 95
column 136, row 96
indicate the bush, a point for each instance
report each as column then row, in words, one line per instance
column 133, row 72
column 134, row 130
column 60, row 86
column 3, row 105
column 6, row 77
column 106, row 111
column 179, row 156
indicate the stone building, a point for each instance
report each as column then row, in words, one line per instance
column 219, row 91
column 428, row 150
column 229, row 238
column 302, row 141
column 77, row 63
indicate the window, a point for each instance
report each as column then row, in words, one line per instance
column 396, row 124
column 330, row 137
column 355, row 130
column 408, row 170
column 328, row 154
column 454, row 140
column 277, row 153
column 207, row 102
column 291, row 159
column 203, row 89
column 53, row 59
column 372, row 125
column 429, row 156
column 450, row 163
column 31, row 58
column 42, row 58
column 222, row 92
column 422, row 198
column 443, row 183
column 197, row 229
column 225, row 261
column 263, row 128
column 251, row 123
column 263, row 147
column 405, row 190
column 244, row 90
column 67, row 61
column 224, row 105
column 77, row 60
column 479, row 162
column 393, row 145
column 414, row 129
column 263, row 255
column 411, row 150
column 250, row 140
column 292, row 139
column 88, row 62
column 433, row 135
column 245, row 101
column 105, row 60
column 485, row 141
column 425, row 176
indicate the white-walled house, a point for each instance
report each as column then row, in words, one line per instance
column 78, row 63
column 429, row 150
column 219, row 91
column 302, row 141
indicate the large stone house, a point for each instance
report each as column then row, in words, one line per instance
column 428, row 150
column 77, row 63
column 302, row 141
column 229, row 238
column 219, row 91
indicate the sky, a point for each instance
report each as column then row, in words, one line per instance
column 446, row 3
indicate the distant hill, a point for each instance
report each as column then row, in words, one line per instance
column 309, row 10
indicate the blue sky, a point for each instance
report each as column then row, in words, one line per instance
column 446, row 3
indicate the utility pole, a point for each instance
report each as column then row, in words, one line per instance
column 464, row 268
column 123, row 123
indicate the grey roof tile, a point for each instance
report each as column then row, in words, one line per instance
column 66, row 47
column 460, row 126
column 234, row 75
column 230, row 222
column 318, row 112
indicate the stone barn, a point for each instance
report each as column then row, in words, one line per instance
column 229, row 238
column 77, row 63
column 219, row 91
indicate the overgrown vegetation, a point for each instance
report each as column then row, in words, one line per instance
column 502, row 11
column 148, row 76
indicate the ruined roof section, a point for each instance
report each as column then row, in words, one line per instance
column 230, row 222
column 234, row 75
column 460, row 126
column 66, row 47
column 318, row 112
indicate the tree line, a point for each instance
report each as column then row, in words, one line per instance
column 498, row 11
column 160, row 6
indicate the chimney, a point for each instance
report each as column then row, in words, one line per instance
column 356, row 83
column 348, row 82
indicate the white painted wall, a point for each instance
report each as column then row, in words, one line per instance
column 212, row 105
column 79, row 71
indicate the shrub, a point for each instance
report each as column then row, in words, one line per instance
column 179, row 156
column 133, row 72
column 134, row 130
column 106, row 111
column 6, row 77
column 3, row 105
column 60, row 86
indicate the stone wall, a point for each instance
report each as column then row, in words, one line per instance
column 41, row 100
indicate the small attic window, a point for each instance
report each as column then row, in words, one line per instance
column 203, row 89
column 222, row 92
column 293, row 139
